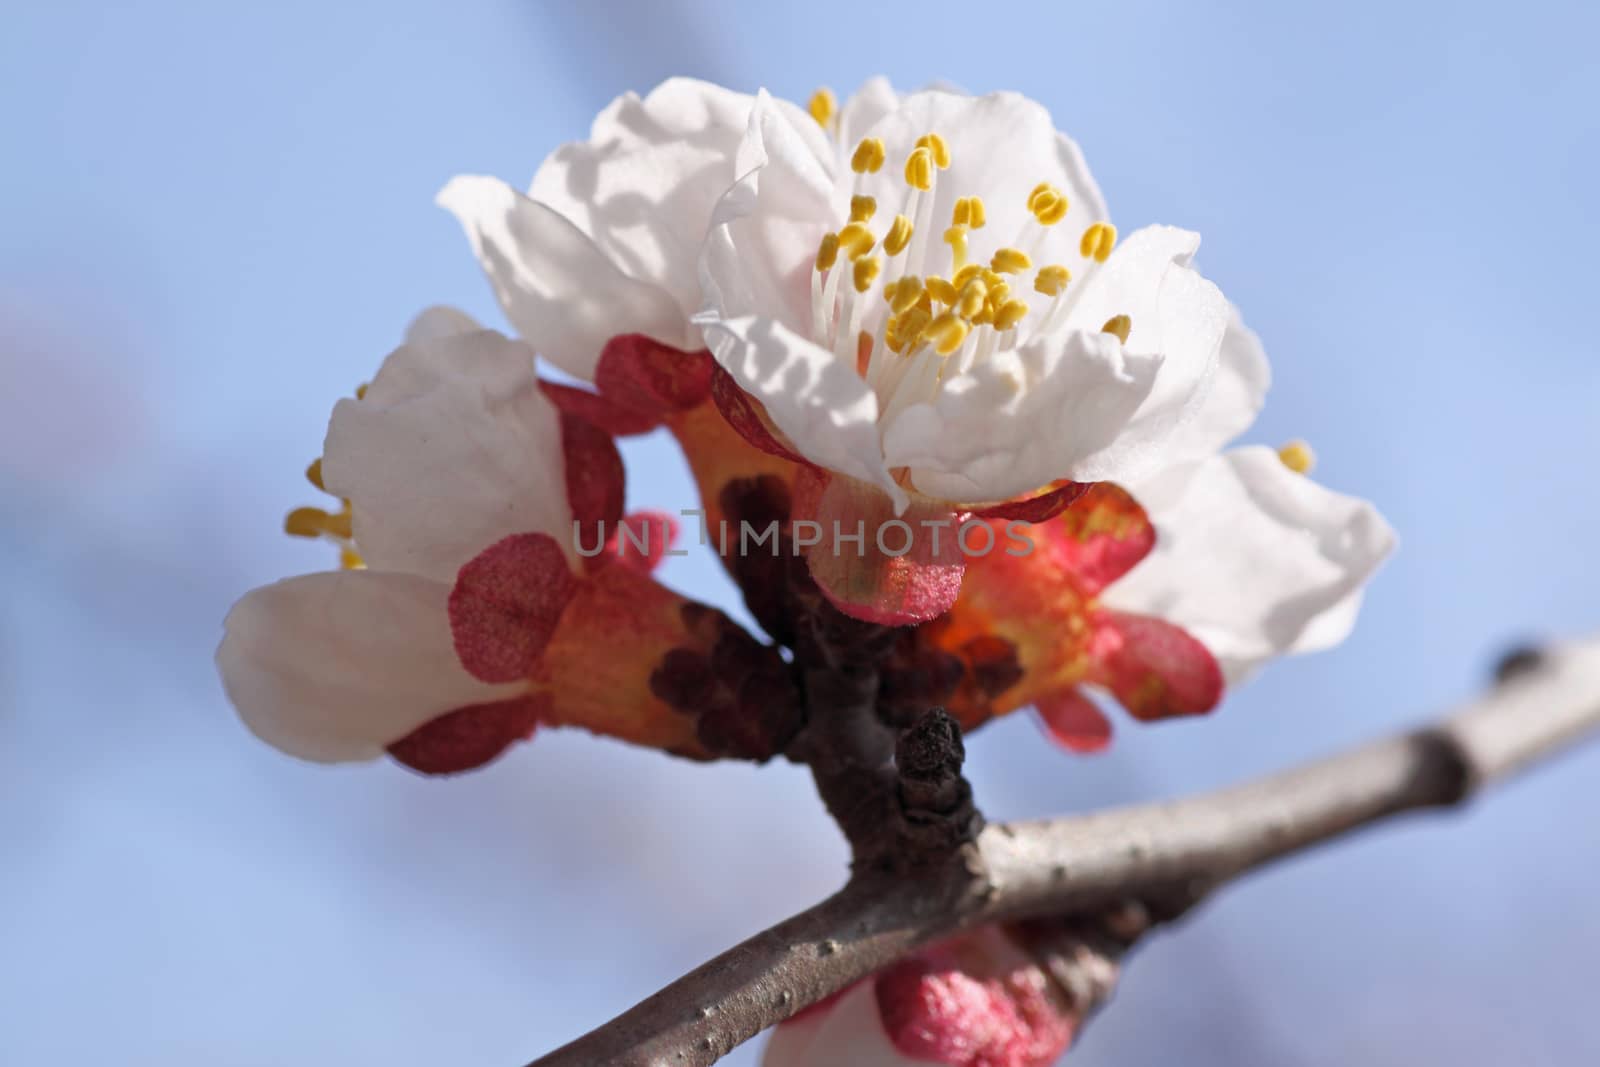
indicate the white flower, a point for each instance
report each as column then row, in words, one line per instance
column 928, row 300
column 1252, row 557
column 451, row 448
column 606, row 240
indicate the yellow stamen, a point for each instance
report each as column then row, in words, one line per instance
column 899, row 235
column 1048, row 206
column 903, row 294
column 1008, row 314
column 969, row 212
column 314, row 474
column 941, row 151
column 1298, row 457
column 1038, row 191
column 1010, row 261
column 973, row 295
column 904, row 330
column 866, row 272
column 869, row 156
column 862, row 208
column 1052, row 279
column 828, row 251
column 350, row 560
column 941, row 290
column 964, row 276
column 919, row 169
column 361, row 391
column 956, row 238
column 822, row 105
column 856, row 240
column 1097, row 242
column 306, row 522
column 946, row 332
column 1118, row 325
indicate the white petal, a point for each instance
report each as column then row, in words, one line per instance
column 453, row 448
column 643, row 186
column 765, row 229
column 1020, row 420
column 821, row 404
column 1252, row 559
column 1234, row 400
column 1178, row 316
column 560, row 291
column 440, row 321
column 875, row 99
column 850, row 1031
column 336, row 666
column 1001, row 146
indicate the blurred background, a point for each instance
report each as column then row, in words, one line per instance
column 217, row 219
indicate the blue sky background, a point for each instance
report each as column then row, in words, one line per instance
column 218, row 219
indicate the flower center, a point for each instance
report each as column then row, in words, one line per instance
column 942, row 311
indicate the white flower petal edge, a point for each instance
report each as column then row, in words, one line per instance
column 607, row 239
column 558, row 289
column 1252, row 559
column 848, row 1031
column 1022, row 419
column 1236, row 396
column 336, row 666
column 453, row 447
column 1177, row 315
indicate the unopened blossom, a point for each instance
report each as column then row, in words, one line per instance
column 467, row 616
column 932, row 307
column 1162, row 592
column 978, row 1000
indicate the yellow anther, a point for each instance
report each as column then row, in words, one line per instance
column 1008, row 314
column 946, row 333
column 1298, row 457
column 964, row 276
column 999, row 291
column 828, row 251
column 350, row 560
column 338, row 524
column 1118, row 325
column 935, row 144
column 969, row 212
column 361, row 391
column 1010, row 261
column 1097, row 242
column 314, row 474
column 941, row 290
column 904, row 330
column 903, row 294
column 822, row 105
column 956, row 238
column 1052, row 279
column 899, row 235
column 919, row 169
column 856, row 240
column 973, row 296
column 862, row 208
column 869, row 156
column 866, row 272
column 1048, row 205
column 306, row 522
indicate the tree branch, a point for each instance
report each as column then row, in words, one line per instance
column 1167, row 855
